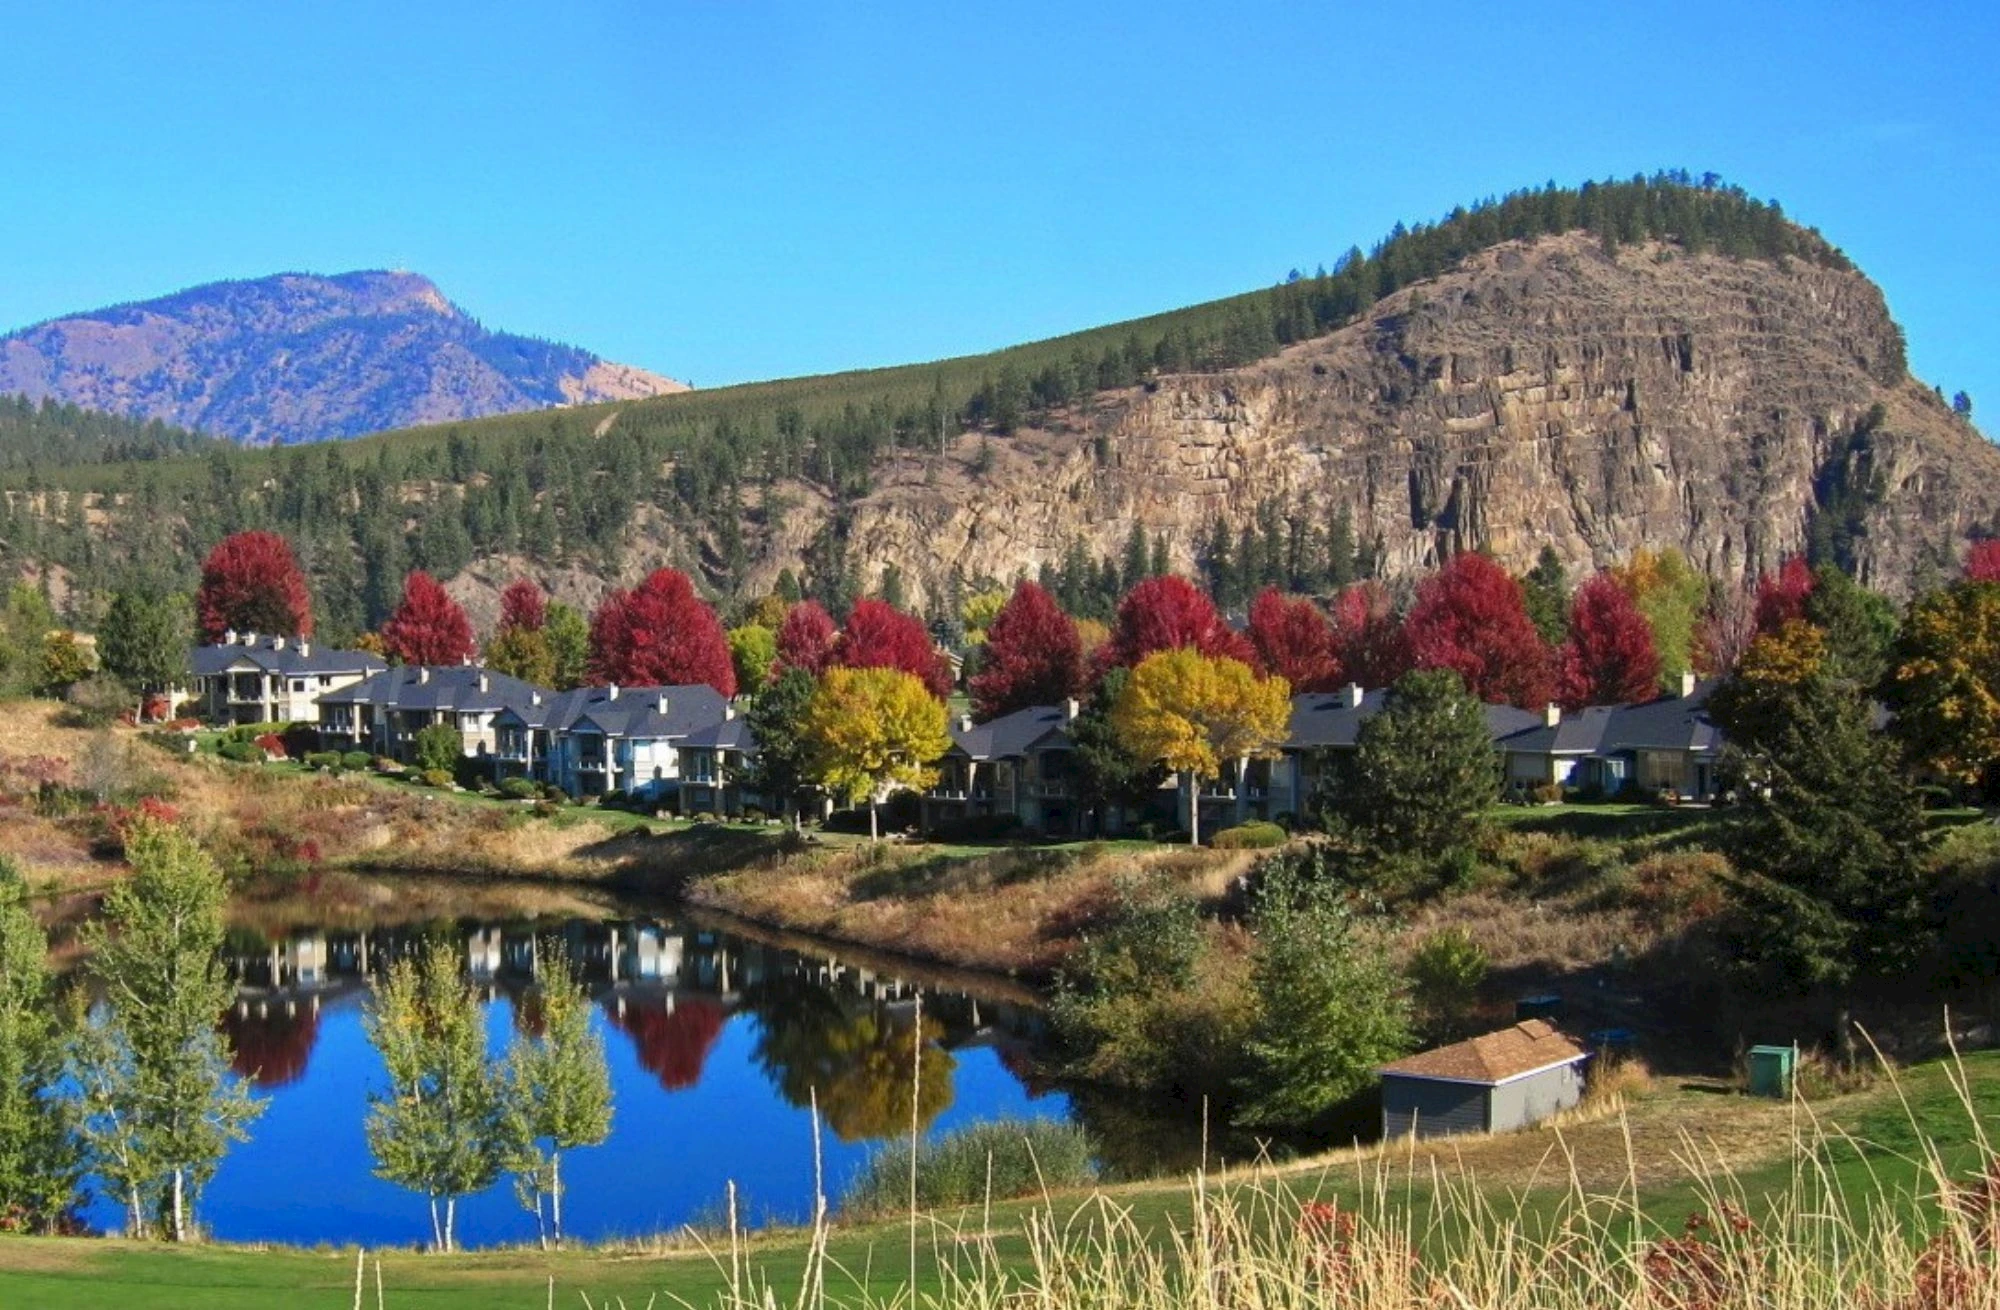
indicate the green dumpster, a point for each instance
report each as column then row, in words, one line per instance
column 1771, row 1070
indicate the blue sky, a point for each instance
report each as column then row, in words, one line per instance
column 729, row 191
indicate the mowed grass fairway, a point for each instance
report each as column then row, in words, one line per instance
column 1874, row 1155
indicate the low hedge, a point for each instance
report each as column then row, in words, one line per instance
column 356, row 760
column 520, row 789
column 241, row 752
column 1257, row 836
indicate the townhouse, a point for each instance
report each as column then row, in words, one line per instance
column 595, row 740
column 253, row 678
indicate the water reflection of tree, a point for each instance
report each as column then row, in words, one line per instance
column 673, row 1040
column 858, row 1061
column 271, row 1046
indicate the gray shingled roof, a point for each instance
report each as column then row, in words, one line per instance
column 1013, row 734
column 1665, row 723
column 629, row 712
column 1331, row 719
column 460, row 689
column 729, row 735
column 289, row 660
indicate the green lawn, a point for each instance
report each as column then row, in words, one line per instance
column 1875, row 1155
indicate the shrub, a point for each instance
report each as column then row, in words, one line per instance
column 251, row 731
column 356, row 760
column 241, row 752
column 439, row 778
column 1257, row 836
column 520, row 789
column 273, row 746
column 615, row 797
column 555, row 795
column 1547, row 793
column 547, row 809
column 1445, row 973
column 1000, row 1160
column 438, row 748
column 752, row 814
column 324, row 761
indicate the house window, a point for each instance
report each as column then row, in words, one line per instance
column 298, row 684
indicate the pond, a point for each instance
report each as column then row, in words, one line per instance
column 718, row 1044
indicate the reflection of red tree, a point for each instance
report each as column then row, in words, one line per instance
column 272, row 1047
column 673, row 1044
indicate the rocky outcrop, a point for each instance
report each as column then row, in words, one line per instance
column 1544, row 393
column 300, row 358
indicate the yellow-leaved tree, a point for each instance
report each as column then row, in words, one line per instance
column 1944, row 680
column 867, row 731
column 1190, row 713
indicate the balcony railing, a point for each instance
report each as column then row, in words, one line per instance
column 1050, row 791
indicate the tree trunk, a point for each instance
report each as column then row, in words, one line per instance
column 1194, row 810
column 450, row 1221
column 138, row 1213
column 555, row 1192
column 437, row 1233
column 180, row 1208
column 873, row 833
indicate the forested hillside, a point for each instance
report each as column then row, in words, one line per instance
column 50, row 436
column 1368, row 417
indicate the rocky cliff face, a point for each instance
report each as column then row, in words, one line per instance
column 302, row 358
column 1544, row 393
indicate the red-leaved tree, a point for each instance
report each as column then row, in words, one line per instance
column 1782, row 596
column 1609, row 658
column 428, row 627
column 806, row 639
column 660, row 634
column 523, row 607
column 1293, row 640
column 1169, row 613
column 1470, row 617
column 251, row 582
column 1033, row 656
column 880, row 636
column 1368, row 643
column 1982, row 562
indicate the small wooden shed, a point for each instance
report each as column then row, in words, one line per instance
column 1503, row 1080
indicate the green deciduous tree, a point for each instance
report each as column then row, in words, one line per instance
column 441, row 1126
column 437, row 746
column 782, row 767
column 1331, row 1007
column 1545, row 591
column 1423, row 773
column 1944, row 683
column 753, row 649
column 160, row 1106
column 41, row 1157
column 143, row 640
column 559, row 1088
column 568, row 633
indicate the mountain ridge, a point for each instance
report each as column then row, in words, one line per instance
column 296, row 356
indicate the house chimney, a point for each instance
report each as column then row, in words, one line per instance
column 305, row 649
column 662, row 703
column 249, row 639
column 1351, row 695
column 277, row 643
column 1687, row 683
column 728, row 711
column 423, row 674
column 965, row 723
column 229, row 637
column 611, row 692
column 1071, row 709
column 484, row 683
column 1552, row 714
column 534, row 698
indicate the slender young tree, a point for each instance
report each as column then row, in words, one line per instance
column 41, row 1157
column 428, row 627
column 569, row 646
column 441, row 1126
column 753, row 649
column 559, row 1086
column 159, row 1102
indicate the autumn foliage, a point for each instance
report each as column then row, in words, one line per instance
column 428, row 627
column 1982, row 562
column 1609, row 657
column 1169, row 613
column 1470, row 618
column 523, row 607
column 806, row 639
column 251, row 582
column 1033, row 656
column 880, row 636
column 1368, row 643
column 1294, row 641
column 660, row 634
column 1782, row 596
